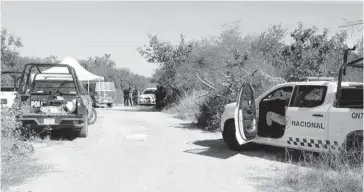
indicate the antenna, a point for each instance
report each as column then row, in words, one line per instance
column 355, row 27
column 351, row 23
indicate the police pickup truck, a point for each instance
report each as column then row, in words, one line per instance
column 319, row 115
column 53, row 101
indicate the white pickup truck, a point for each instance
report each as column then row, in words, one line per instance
column 318, row 115
column 8, row 93
column 7, row 96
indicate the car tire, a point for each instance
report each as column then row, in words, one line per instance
column 84, row 131
column 92, row 119
column 109, row 105
column 229, row 136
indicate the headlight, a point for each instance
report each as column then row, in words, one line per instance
column 71, row 105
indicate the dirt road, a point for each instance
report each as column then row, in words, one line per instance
column 131, row 150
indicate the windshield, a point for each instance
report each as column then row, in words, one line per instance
column 149, row 91
column 351, row 97
column 54, row 87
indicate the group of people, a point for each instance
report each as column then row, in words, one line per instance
column 130, row 96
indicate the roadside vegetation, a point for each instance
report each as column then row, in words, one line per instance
column 15, row 152
column 217, row 66
column 326, row 173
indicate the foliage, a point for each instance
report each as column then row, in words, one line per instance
column 9, row 45
column 187, row 106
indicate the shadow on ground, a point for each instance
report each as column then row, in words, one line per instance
column 190, row 126
column 55, row 136
column 218, row 149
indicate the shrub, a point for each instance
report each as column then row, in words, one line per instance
column 15, row 150
column 187, row 107
column 12, row 141
column 210, row 110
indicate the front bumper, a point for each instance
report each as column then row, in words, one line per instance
column 103, row 102
column 146, row 102
column 54, row 121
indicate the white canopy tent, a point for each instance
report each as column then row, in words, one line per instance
column 82, row 74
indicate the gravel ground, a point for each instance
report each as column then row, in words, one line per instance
column 132, row 149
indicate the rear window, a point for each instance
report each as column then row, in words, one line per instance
column 351, row 98
column 7, row 89
column 62, row 87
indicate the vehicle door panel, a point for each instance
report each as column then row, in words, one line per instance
column 307, row 118
column 245, row 115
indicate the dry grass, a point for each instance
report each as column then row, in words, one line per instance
column 187, row 107
column 326, row 173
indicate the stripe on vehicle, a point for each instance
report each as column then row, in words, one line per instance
column 313, row 143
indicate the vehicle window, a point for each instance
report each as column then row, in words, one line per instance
column 62, row 87
column 149, row 91
column 105, row 86
column 81, row 88
column 7, row 89
column 351, row 98
column 308, row 96
column 283, row 93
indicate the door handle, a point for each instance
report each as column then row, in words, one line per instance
column 317, row 115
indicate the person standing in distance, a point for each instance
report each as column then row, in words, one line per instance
column 130, row 97
column 157, row 98
column 162, row 97
column 126, row 95
column 135, row 96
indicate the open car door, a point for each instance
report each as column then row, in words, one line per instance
column 245, row 115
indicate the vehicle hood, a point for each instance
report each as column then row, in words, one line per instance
column 230, row 106
column 144, row 96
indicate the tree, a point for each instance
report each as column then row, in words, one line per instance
column 310, row 52
column 9, row 45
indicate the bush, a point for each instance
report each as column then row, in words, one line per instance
column 326, row 173
column 187, row 107
column 15, row 152
column 12, row 141
column 210, row 110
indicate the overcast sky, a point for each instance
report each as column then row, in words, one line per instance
column 83, row 29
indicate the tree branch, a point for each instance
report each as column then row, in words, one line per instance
column 212, row 87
